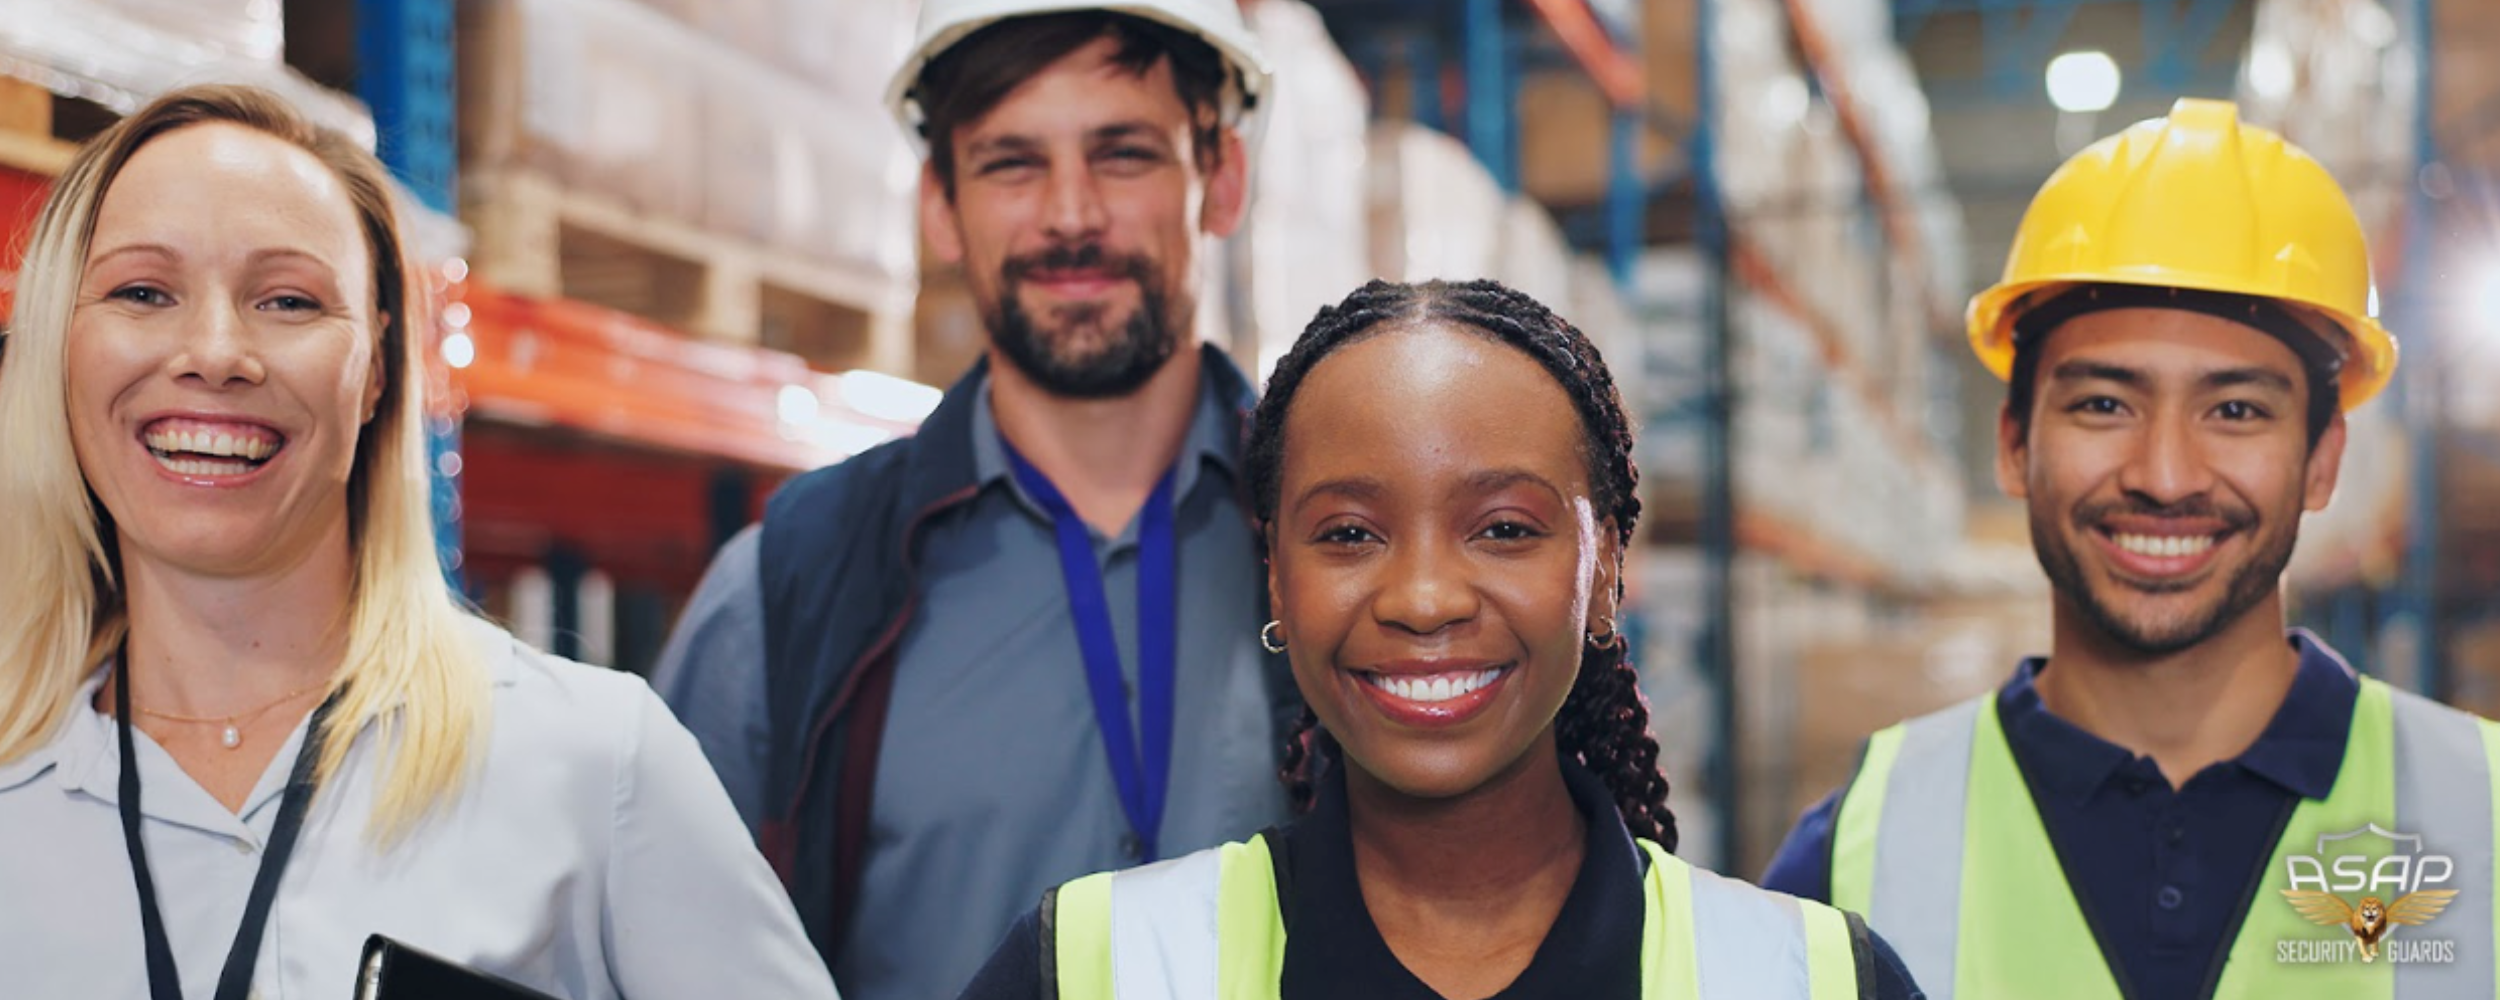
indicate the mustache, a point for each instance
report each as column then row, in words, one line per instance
column 2199, row 507
column 1076, row 257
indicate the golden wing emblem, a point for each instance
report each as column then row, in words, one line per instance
column 2328, row 908
column 2417, row 908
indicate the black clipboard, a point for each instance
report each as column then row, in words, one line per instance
column 391, row 970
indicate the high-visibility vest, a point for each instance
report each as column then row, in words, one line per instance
column 1939, row 844
column 1208, row 927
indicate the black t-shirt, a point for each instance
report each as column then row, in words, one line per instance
column 1332, row 948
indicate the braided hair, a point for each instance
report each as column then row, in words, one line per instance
column 1604, row 723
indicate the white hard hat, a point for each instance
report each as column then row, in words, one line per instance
column 1217, row 22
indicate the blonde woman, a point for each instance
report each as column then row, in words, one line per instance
column 242, row 723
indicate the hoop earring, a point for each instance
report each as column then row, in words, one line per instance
column 1270, row 639
column 1613, row 638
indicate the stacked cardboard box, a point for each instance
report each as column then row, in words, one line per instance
column 1308, row 239
column 1435, row 211
column 758, row 121
column 1853, row 515
column 119, row 54
column 2336, row 78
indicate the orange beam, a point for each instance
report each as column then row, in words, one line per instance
column 1803, row 550
column 555, row 362
column 1617, row 74
column 1755, row 272
column 1818, row 51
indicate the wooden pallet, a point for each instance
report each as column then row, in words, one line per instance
column 534, row 237
column 26, row 142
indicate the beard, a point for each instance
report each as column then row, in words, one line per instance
column 1083, row 353
column 2155, row 633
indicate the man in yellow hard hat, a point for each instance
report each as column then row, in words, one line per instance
column 1021, row 645
column 2183, row 799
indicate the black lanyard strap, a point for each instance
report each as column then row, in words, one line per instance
column 235, row 981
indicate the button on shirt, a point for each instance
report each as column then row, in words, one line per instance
column 2161, row 874
column 992, row 782
column 590, row 855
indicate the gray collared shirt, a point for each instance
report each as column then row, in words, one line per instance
column 590, row 854
column 992, row 784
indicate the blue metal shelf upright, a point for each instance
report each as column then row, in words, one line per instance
column 404, row 52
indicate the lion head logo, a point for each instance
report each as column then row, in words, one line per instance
column 2371, row 920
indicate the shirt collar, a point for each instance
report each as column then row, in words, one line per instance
column 501, row 652
column 86, row 748
column 75, row 746
column 89, row 758
column 85, row 759
column 2301, row 748
column 2060, row 758
column 1211, row 441
column 1333, row 948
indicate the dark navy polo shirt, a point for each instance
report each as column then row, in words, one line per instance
column 1333, row 950
column 2162, row 874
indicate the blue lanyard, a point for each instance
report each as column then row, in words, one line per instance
column 1140, row 767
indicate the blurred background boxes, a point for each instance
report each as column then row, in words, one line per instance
column 680, row 229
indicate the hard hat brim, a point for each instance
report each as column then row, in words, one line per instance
column 2369, row 350
column 1250, row 69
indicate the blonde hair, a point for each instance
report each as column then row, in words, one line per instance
column 409, row 671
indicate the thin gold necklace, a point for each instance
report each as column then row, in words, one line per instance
column 232, row 735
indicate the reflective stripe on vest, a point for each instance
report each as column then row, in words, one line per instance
column 1207, row 925
column 2445, row 761
column 1755, row 943
column 1939, row 844
column 1161, row 930
column 1878, row 873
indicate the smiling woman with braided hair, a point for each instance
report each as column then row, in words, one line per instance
column 1443, row 477
column 1604, row 724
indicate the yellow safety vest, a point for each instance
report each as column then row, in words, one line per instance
column 1208, row 927
column 1939, row 844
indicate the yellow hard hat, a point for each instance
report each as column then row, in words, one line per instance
column 2196, row 201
